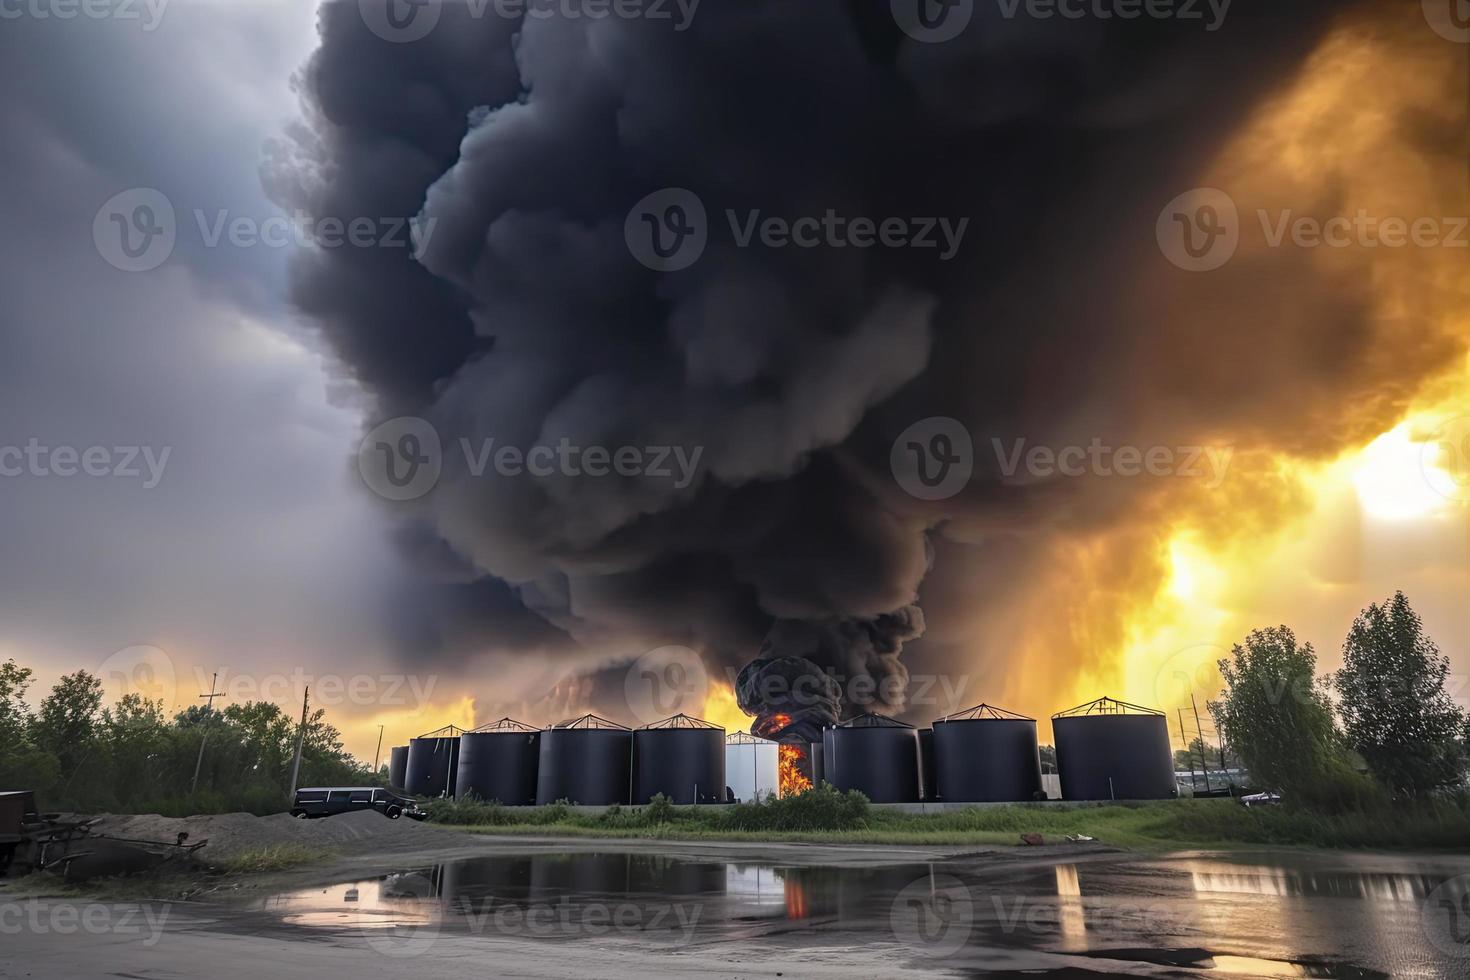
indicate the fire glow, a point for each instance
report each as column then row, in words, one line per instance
column 791, row 770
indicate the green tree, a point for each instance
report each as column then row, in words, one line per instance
column 66, row 725
column 1396, row 712
column 15, row 715
column 22, row 764
column 1277, row 716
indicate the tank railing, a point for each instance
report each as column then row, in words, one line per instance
column 448, row 731
column 506, row 724
column 1107, row 706
column 986, row 711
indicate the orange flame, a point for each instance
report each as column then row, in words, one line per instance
column 792, row 779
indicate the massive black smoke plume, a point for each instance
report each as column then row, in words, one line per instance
column 521, row 144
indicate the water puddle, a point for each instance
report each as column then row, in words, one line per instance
column 1335, row 918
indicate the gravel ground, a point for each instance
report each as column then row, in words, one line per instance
column 230, row 834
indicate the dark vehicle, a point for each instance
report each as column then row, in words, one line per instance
column 322, row 801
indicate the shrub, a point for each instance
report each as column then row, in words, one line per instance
column 822, row 808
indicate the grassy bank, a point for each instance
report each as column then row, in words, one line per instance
column 826, row 816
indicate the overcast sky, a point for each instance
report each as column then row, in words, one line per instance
column 225, row 524
column 252, row 548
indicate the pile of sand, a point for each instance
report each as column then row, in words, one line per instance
column 228, row 834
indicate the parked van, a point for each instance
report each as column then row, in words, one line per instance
column 326, row 801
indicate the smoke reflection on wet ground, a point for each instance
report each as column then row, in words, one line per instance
column 1283, row 915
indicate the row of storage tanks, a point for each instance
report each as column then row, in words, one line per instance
column 1105, row 750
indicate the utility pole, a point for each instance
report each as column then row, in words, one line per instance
column 1184, row 737
column 300, row 735
column 1204, row 760
column 378, row 751
column 208, row 707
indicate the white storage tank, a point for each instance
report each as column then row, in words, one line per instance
column 752, row 767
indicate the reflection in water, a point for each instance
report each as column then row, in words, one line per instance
column 1071, row 917
column 1296, row 916
column 1256, row 880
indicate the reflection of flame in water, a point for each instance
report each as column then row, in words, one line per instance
column 1070, row 917
column 796, row 904
column 792, row 767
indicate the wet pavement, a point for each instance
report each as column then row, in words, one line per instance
column 1282, row 914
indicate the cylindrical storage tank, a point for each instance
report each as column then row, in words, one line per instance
column 432, row 763
column 752, row 767
column 681, row 757
column 815, row 758
column 498, row 762
column 587, row 760
column 1109, row 750
column 930, row 791
column 875, row 755
column 398, row 766
column 986, row 755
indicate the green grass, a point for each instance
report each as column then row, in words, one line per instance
column 826, row 816
column 272, row 857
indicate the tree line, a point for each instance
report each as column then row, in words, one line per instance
column 1385, row 725
column 131, row 757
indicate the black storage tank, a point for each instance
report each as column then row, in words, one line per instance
column 873, row 754
column 586, row 760
column 986, row 755
column 1111, row 750
column 680, row 757
column 432, row 763
column 930, row 788
column 498, row 762
column 814, row 763
column 398, row 766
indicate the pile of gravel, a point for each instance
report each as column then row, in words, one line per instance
column 228, row 834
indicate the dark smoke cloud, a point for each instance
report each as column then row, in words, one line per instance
column 526, row 319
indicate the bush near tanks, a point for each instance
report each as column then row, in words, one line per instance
column 128, row 757
column 820, row 809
